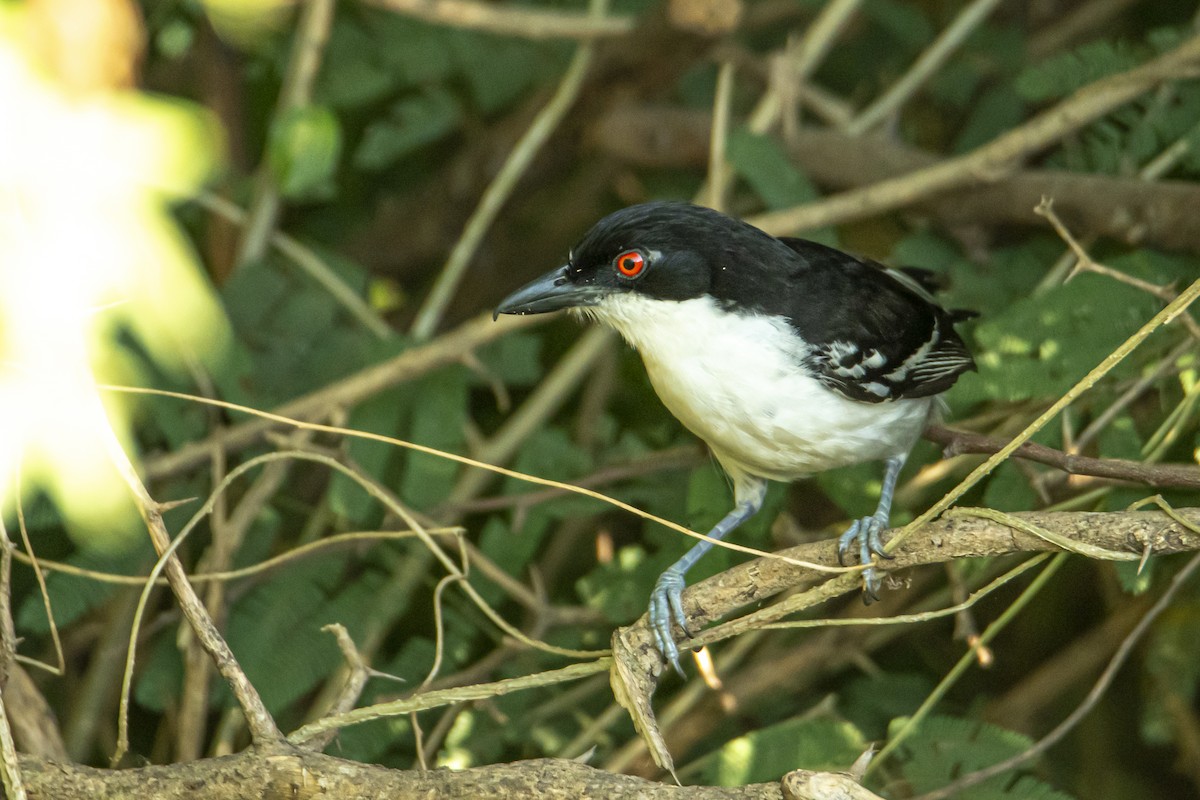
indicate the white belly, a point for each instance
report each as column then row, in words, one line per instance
column 737, row 383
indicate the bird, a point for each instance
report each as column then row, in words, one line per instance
column 785, row 356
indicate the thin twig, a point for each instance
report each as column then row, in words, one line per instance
column 312, row 31
column 43, row 591
column 278, row 419
column 1160, row 476
column 262, row 726
column 928, row 63
column 8, row 636
column 718, row 167
column 442, row 697
column 551, row 392
column 357, row 675
column 1143, row 384
column 502, row 186
column 318, row 547
column 1085, row 263
column 804, row 57
column 10, row 769
column 511, row 20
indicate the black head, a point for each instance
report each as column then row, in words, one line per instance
column 665, row 251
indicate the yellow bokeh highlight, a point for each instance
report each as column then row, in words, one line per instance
column 89, row 250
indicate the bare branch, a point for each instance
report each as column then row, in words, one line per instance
column 1160, row 476
column 1129, row 209
column 510, row 20
column 251, row 776
column 998, row 157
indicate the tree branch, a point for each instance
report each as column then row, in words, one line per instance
column 998, row 157
column 1159, row 476
column 510, row 20
column 954, row 535
column 252, row 776
column 1130, row 210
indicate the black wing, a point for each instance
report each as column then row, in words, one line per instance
column 873, row 334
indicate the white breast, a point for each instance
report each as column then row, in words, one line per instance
column 737, row 382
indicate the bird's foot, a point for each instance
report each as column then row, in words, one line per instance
column 868, row 532
column 666, row 608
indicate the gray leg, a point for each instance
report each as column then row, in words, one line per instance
column 666, row 604
column 868, row 530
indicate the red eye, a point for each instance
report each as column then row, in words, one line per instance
column 631, row 263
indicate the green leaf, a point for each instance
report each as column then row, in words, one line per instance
column 72, row 596
column 382, row 414
column 764, row 165
column 417, row 53
column 1041, row 346
column 1009, row 490
column 412, row 123
column 1173, row 665
column 352, row 73
column 439, row 417
column 275, row 629
column 944, row 748
column 903, row 22
column 160, row 675
column 620, row 589
column 303, row 152
column 998, row 110
column 1064, row 73
column 767, row 754
column 871, row 701
column 497, row 69
column 514, row 359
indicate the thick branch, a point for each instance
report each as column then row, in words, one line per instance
column 954, row 536
column 1002, row 155
column 1128, row 209
column 300, row 775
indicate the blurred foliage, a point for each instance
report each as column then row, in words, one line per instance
column 377, row 175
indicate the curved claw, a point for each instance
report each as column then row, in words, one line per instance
column 868, row 533
column 844, row 542
column 666, row 609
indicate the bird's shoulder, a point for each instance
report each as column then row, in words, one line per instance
column 869, row 333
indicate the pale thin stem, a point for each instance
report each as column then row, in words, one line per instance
column 718, row 168
column 818, row 40
column 502, row 186
column 444, row 697
column 310, row 264
column 312, row 31
column 511, row 19
column 927, row 64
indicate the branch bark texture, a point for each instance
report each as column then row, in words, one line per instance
column 298, row 776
